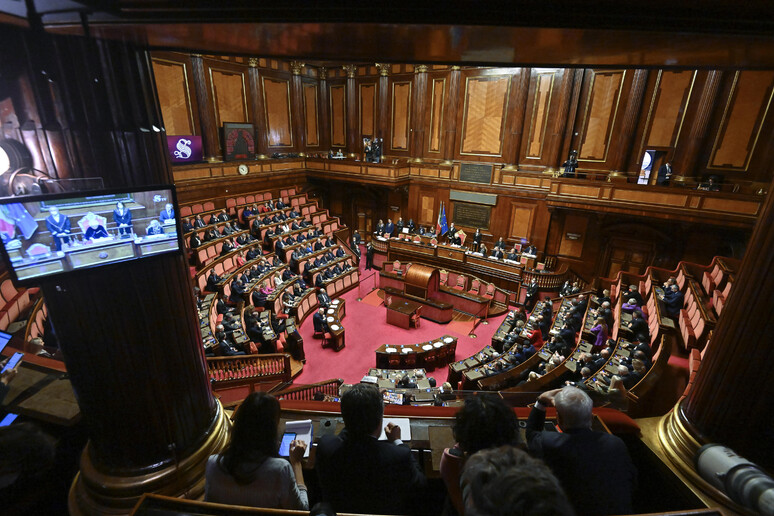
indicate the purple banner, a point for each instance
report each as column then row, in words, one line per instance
column 185, row 148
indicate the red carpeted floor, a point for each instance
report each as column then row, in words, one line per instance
column 366, row 330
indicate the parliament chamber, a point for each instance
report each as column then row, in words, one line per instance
column 444, row 203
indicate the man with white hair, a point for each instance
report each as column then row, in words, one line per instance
column 594, row 467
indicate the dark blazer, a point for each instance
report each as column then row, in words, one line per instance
column 363, row 475
column 318, row 320
column 600, row 459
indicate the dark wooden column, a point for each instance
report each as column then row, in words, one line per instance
column 128, row 332
column 325, row 111
column 354, row 143
column 259, row 110
column 297, row 106
column 450, row 117
column 417, row 141
column 626, row 135
column 559, row 127
column 210, row 132
column 383, row 102
column 732, row 400
column 515, row 130
column 687, row 153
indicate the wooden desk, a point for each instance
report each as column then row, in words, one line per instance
column 333, row 315
column 400, row 311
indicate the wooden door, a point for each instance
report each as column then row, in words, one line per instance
column 628, row 255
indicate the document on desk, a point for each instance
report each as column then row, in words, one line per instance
column 405, row 427
column 303, row 431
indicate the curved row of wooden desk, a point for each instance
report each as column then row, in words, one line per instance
column 430, row 354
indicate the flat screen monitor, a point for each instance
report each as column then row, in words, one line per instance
column 50, row 235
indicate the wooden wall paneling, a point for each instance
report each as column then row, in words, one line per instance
column 400, row 115
column 367, row 108
column 451, row 114
column 521, row 219
column 687, row 154
column 746, row 108
column 228, row 86
column 418, row 122
column 174, row 85
column 573, row 235
column 483, row 117
column 602, row 99
column 338, row 113
column 537, row 114
column 427, row 213
column 435, row 115
column 515, row 133
column 623, row 143
column 207, row 123
column 311, row 114
column 258, row 108
column 279, row 119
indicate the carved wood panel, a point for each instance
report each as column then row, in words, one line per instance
column 427, row 208
column 521, row 220
column 483, row 117
column 229, row 96
column 745, row 111
column 541, row 104
column 276, row 95
column 174, row 96
column 602, row 102
column 338, row 115
column 573, row 235
column 436, row 115
column 311, row 125
column 367, row 109
column 401, row 115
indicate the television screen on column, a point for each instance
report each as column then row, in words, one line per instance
column 50, row 235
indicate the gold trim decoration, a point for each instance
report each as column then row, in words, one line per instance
column 196, row 55
column 612, row 123
column 420, row 69
column 322, row 73
column 95, row 492
column 456, row 68
column 680, row 441
column 351, row 70
column 384, row 69
column 252, row 62
column 296, row 66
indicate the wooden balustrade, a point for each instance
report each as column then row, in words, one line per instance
column 307, row 392
column 248, row 370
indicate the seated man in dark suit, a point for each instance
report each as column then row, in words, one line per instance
column 497, row 253
column 212, row 281
column 323, row 298
column 253, row 253
column 633, row 293
column 195, row 241
column 318, row 321
column 355, row 469
column 287, row 274
column 319, row 281
column 607, row 487
column 237, row 289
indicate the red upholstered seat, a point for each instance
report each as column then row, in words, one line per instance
column 490, row 291
column 460, row 283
